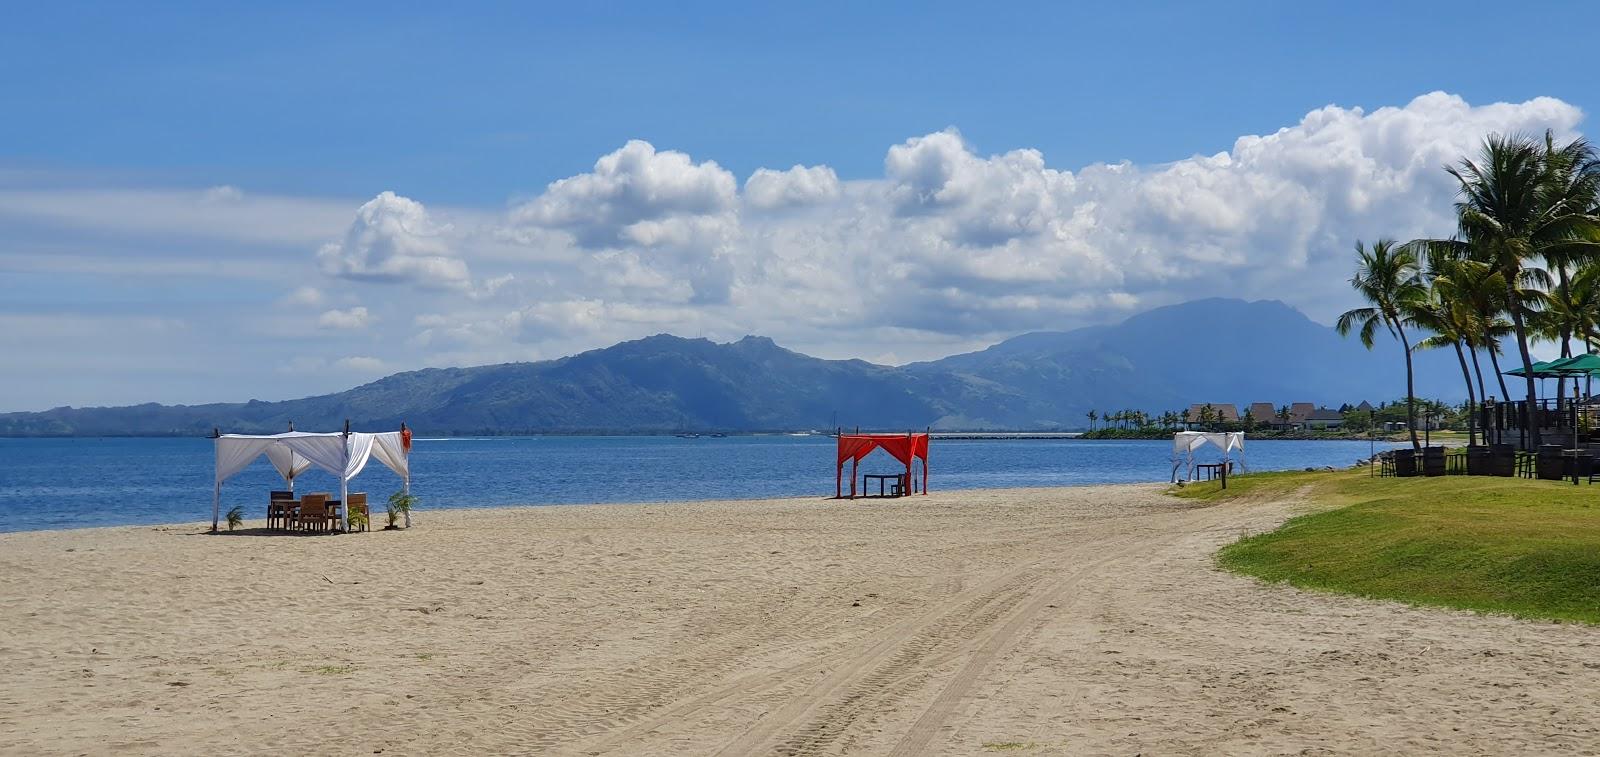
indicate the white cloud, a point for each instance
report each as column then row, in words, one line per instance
column 307, row 296
column 353, row 318
column 635, row 195
column 950, row 248
column 394, row 240
column 799, row 185
column 223, row 194
column 361, row 364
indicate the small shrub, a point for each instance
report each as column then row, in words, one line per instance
column 235, row 517
column 400, row 504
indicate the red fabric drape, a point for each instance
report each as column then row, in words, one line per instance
column 904, row 448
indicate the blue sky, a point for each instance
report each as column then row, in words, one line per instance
column 162, row 166
column 478, row 104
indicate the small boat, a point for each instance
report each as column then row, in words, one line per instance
column 688, row 436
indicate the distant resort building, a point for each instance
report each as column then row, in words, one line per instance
column 1212, row 412
column 1323, row 418
column 1264, row 415
column 1302, row 416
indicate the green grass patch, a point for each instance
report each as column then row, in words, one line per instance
column 1525, row 548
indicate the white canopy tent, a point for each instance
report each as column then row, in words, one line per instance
column 341, row 454
column 1184, row 444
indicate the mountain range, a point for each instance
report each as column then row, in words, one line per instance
column 1214, row 350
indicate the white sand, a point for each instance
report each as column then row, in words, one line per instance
column 1061, row 621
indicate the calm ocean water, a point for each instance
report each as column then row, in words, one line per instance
column 71, row 483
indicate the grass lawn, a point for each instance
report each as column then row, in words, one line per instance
column 1505, row 545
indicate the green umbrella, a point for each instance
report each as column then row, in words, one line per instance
column 1539, row 370
column 1581, row 365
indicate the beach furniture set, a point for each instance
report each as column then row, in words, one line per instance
column 1551, row 462
column 315, row 512
column 341, row 454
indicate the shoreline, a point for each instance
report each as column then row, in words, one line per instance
column 256, row 522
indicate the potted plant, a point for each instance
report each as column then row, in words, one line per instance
column 400, row 504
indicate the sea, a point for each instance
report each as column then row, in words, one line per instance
column 84, row 482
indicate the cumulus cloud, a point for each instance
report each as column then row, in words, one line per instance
column 636, row 196
column 799, row 185
column 394, row 240
column 951, row 246
column 353, row 318
column 957, row 245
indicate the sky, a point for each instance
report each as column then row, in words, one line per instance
column 204, row 203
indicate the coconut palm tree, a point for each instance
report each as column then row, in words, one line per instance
column 1387, row 276
column 1449, row 317
column 1523, row 203
column 1572, row 310
column 1092, row 415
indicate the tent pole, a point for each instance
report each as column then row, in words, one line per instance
column 216, row 505
column 854, row 461
column 344, row 479
column 911, row 455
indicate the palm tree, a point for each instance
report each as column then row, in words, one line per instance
column 1387, row 276
column 1092, row 415
column 1522, row 203
column 1448, row 317
column 1572, row 310
column 1283, row 416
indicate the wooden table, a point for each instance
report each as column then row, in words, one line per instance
column 899, row 487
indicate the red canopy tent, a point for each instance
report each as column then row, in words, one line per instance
column 904, row 447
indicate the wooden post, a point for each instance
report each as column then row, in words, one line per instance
column 1224, row 469
column 853, row 463
column 925, row 454
column 905, row 488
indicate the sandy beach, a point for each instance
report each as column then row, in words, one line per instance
column 1044, row 621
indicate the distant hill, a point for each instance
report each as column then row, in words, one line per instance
column 1204, row 351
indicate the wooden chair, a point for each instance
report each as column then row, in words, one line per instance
column 358, row 504
column 313, row 512
column 278, row 509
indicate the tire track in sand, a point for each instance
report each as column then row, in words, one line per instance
column 918, row 738
column 982, row 627
column 902, row 660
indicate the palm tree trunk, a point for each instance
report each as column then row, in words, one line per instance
column 1494, row 361
column 1477, row 368
column 1472, row 402
column 1534, row 422
column 1411, row 390
column 1483, row 393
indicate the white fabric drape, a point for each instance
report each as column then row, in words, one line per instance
column 289, row 464
column 342, row 455
column 1184, row 444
